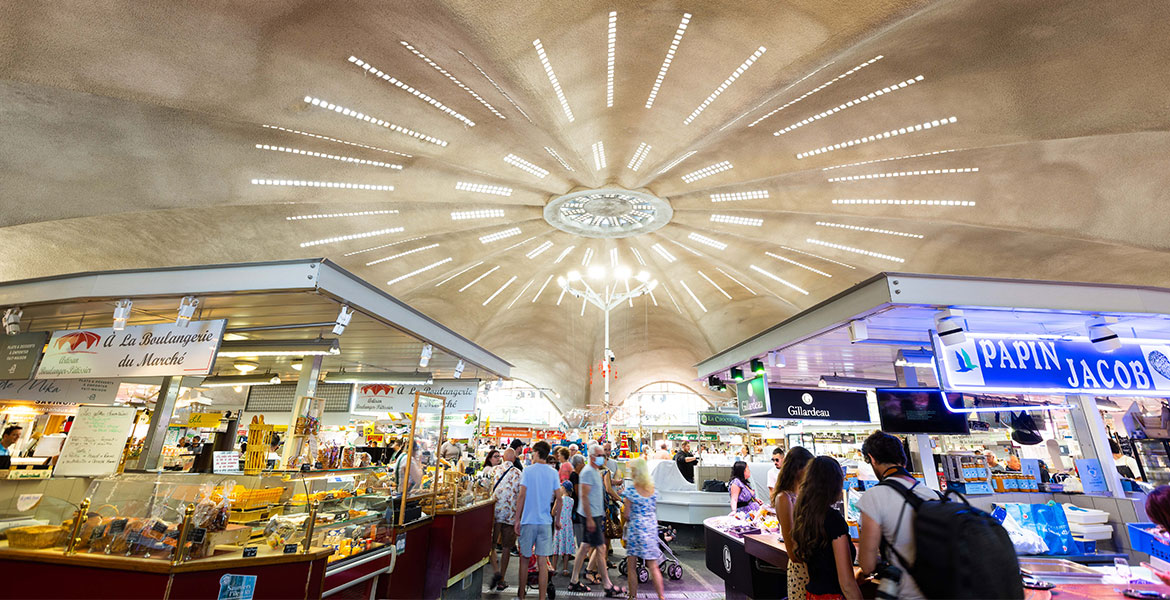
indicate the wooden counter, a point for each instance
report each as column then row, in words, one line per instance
column 459, row 546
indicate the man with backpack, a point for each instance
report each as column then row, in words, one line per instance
column 923, row 544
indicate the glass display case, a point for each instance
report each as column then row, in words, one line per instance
column 1152, row 458
column 416, row 474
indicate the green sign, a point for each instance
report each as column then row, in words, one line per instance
column 718, row 419
column 692, row 437
column 752, row 397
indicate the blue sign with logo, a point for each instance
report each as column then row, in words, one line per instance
column 236, row 587
column 1005, row 364
column 1092, row 477
column 818, row 404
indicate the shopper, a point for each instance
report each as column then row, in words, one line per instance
column 820, row 535
column 9, row 439
column 565, row 539
column 506, row 480
column 1158, row 509
column 490, row 462
column 640, row 512
column 686, row 462
column 591, row 507
column 450, row 451
column 743, row 496
column 578, row 462
column 885, row 514
column 534, row 523
column 784, row 494
column 774, row 471
column 565, row 470
column 663, row 452
column 574, row 450
column 517, row 447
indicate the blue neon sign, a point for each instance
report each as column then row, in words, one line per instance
column 1058, row 366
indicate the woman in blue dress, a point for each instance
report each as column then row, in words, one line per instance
column 640, row 510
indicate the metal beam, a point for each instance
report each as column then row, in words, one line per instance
column 160, row 419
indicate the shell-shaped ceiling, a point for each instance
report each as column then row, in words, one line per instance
column 798, row 148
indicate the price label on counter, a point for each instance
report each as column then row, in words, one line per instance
column 250, row 551
column 223, row 462
column 27, row 501
column 291, row 548
column 197, row 535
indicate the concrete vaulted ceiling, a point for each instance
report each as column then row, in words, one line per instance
column 974, row 137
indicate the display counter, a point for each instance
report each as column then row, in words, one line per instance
column 743, row 574
column 460, row 542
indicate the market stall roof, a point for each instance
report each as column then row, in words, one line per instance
column 282, row 300
column 899, row 309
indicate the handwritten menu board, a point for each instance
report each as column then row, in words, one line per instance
column 96, row 440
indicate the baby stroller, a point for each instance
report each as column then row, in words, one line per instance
column 668, row 565
column 534, row 578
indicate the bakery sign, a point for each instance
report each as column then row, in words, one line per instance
column 138, row 351
column 386, row 397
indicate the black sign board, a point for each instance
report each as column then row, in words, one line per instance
column 250, row 551
column 817, row 404
column 197, row 535
column 19, row 354
column 291, row 548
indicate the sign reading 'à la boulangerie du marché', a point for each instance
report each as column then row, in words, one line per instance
column 138, row 351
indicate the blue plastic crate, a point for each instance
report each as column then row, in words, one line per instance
column 1084, row 546
column 1142, row 539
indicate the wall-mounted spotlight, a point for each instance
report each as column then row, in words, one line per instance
column 121, row 314
column 187, row 308
column 736, row 373
column 714, row 382
column 343, row 318
column 12, row 321
column 775, row 359
column 951, row 326
column 757, row 366
column 424, row 358
column 858, row 331
column 459, row 366
column 1102, row 336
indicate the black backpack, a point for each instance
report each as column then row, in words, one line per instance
column 962, row 551
column 715, row 485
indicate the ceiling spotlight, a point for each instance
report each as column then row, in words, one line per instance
column 297, row 364
column 343, row 318
column 596, row 272
column 121, row 314
column 459, row 369
column 775, row 359
column 12, row 321
column 858, row 331
column 951, row 326
column 246, row 366
column 622, row 272
column 574, row 276
column 240, row 380
column 1102, row 336
column 424, row 357
column 714, row 382
column 187, row 308
column 642, row 276
column 757, row 366
column 737, row 373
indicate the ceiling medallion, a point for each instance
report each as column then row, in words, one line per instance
column 608, row 213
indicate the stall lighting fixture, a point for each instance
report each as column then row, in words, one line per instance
column 757, row 366
column 424, row 357
column 244, row 348
column 736, row 373
column 240, row 380
column 1102, row 337
column 915, row 358
column 121, row 314
column 776, row 359
column 187, row 306
column 414, row 378
column 714, row 382
column 854, row 383
column 297, row 364
column 343, row 318
column 459, row 366
column 951, row 326
column 1006, row 408
column 12, row 321
column 246, row 366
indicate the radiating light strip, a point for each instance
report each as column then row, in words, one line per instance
column 361, row 213
column 678, row 35
column 747, row 63
column 734, row 220
column 537, row 251
column 856, row 250
column 497, row 292
column 417, row 93
column 525, row 166
column 585, row 260
column 526, row 286
column 459, row 273
column 702, row 239
column 495, row 190
column 417, row 271
column 348, row 159
column 401, row 254
column 562, row 296
column 352, row 236
column 339, row 141
column 558, row 158
column 611, row 53
column 541, row 290
column 671, row 294
column 904, row 174
column 879, row 136
column 870, row 229
column 899, row 202
column 373, row 120
column 880, row 160
column 499, row 235
column 819, row 88
column 520, row 243
column 801, row 265
column 484, row 213
column 652, row 298
column 687, row 248
column 692, row 294
column 856, row 101
column 707, row 171
column 563, row 254
column 613, row 258
column 670, row 165
column 480, row 278
column 638, row 256
column 663, row 252
column 407, row 240
column 714, row 285
column 498, row 89
column 598, row 156
column 741, row 284
column 584, row 303
column 638, row 157
column 847, row 266
column 552, row 78
column 453, row 79
column 733, row 196
column 779, row 279
column 323, row 184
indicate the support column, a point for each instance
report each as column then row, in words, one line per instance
column 1094, row 440
column 306, row 386
column 921, row 454
column 160, row 419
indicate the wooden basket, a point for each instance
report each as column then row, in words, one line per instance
column 36, row 536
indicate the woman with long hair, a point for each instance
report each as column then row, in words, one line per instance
column 491, row 461
column 743, row 497
column 640, row 511
column 820, row 536
column 784, row 501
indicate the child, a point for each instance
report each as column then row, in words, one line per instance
column 564, row 541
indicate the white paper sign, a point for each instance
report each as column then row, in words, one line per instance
column 138, row 351
column 71, row 391
column 383, row 397
column 225, row 461
column 96, row 441
column 27, row 502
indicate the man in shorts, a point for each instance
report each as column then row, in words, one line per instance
column 507, row 482
column 540, row 489
column 591, row 507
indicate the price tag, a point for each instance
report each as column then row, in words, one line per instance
column 197, row 535
column 159, row 527
column 250, row 551
column 117, row 526
column 28, row 501
column 291, row 548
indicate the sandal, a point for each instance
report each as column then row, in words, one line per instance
column 496, row 579
column 614, row 591
column 592, row 577
column 565, row 572
column 577, row 586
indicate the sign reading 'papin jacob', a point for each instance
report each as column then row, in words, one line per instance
column 138, row 351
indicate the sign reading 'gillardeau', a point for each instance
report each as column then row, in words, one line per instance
column 138, row 351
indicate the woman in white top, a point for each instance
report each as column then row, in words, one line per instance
column 783, row 501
